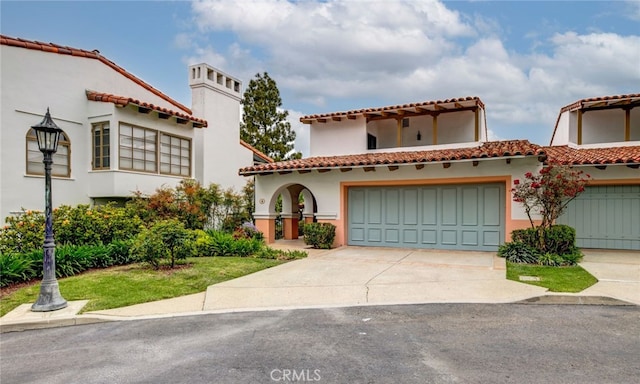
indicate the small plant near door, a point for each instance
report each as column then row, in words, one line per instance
column 547, row 194
column 319, row 235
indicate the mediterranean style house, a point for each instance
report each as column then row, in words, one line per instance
column 420, row 175
column 120, row 134
column 602, row 137
column 423, row 175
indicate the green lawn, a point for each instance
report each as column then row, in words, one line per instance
column 556, row 279
column 134, row 284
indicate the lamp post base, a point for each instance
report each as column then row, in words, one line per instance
column 49, row 298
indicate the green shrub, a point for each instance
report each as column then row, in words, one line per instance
column 16, row 268
column 80, row 225
column 24, row 232
column 558, row 239
column 119, row 251
column 72, row 259
column 550, row 259
column 518, row 252
column 221, row 243
column 225, row 244
column 528, row 236
column 147, row 247
column 572, row 258
column 319, row 235
column 166, row 239
column 279, row 254
column 248, row 231
column 100, row 257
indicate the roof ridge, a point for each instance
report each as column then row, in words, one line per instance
column 399, row 106
column 95, row 54
column 124, row 100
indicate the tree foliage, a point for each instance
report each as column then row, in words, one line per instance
column 264, row 124
column 549, row 191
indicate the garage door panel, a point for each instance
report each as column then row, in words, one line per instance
column 429, row 236
column 410, row 207
column 429, row 206
column 449, row 206
column 449, row 237
column 491, row 238
column 392, row 207
column 374, row 235
column 374, row 201
column 391, row 236
column 491, row 206
column 470, row 206
column 439, row 217
column 606, row 217
column 470, row 238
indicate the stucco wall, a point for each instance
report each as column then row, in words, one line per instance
column 33, row 80
column 328, row 188
column 338, row 137
column 219, row 154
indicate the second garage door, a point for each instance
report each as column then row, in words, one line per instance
column 606, row 217
column 464, row 217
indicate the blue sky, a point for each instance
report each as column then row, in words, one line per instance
column 524, row 59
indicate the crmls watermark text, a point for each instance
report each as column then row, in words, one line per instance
column 295, row 375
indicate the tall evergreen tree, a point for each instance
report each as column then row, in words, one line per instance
column 263, row 125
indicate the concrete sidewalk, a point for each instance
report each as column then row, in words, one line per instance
column 353, row 276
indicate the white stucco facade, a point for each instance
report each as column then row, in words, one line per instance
column 33, row 80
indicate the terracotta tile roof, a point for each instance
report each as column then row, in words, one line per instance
column 257, row 152
column 63, row 50
column 595, row 156
column 436, row 105
column 616, row 101
column 620, row 100
column 487, row 150
column 123, row 101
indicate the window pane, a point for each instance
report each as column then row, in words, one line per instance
column 126, row 163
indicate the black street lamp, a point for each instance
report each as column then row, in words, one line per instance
column 48, row 136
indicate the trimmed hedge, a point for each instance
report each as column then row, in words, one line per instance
column 559, row 246
column 319, row 235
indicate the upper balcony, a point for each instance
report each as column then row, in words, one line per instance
column 599, row 122
column 450, row 123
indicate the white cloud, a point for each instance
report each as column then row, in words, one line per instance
column 302, row 132
column 394, row 52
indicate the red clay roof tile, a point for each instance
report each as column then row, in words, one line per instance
column 54, row 48
column 596, row 156
column 256, row 151
column 487, row 150
column 306, row 119
column 613, row 99
column 124, row 101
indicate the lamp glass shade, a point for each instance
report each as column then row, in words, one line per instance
column 47, row 134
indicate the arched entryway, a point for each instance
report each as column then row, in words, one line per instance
column 290, row 206
column 298, row 207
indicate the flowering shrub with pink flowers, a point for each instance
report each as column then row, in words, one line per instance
column 549, row 191
column 546, row 193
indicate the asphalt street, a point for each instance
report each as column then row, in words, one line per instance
column 435, row 343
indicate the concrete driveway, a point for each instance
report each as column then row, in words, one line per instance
column 617, row 271
column 349, row 276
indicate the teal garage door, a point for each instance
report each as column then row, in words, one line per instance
column 464, row 217
column 606, row 217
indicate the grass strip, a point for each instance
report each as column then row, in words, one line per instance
column 136, row 283
column 556, row 279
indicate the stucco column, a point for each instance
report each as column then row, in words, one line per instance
column 308, row 218
column 266, row 224
column 290, row 226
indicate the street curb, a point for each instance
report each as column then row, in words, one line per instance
column 52, row 323
column 574, row 300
